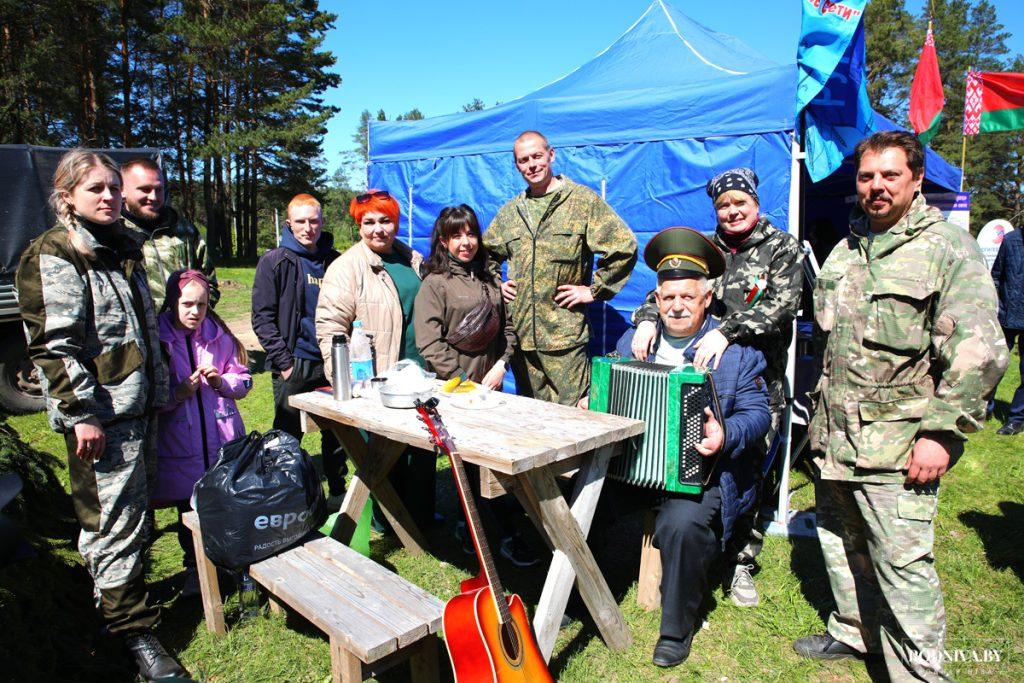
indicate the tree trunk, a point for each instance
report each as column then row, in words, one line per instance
column 126, row 83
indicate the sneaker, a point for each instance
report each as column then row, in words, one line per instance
column 151, row 657
column 741, row 588
column 191, row 588
column 515, row 550
column 1011, row 428
column 464, row 539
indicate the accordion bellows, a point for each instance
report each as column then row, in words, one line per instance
column 671, row 401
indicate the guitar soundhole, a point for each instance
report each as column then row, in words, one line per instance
column 511, row 643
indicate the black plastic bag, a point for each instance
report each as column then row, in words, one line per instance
column 261, row 497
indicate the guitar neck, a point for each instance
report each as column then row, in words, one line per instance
column 479, row 538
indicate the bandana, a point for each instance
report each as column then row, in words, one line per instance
column 742, row 179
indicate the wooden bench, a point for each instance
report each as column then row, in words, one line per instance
column 373, row 617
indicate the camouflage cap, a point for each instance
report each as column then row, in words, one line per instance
column 683, row 252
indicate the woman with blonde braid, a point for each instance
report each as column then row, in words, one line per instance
column 92, row 333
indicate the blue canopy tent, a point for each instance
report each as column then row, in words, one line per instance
column 646, row 123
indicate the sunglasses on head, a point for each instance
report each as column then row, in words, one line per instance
column 379, row 194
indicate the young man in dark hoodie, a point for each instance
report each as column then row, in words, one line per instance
column 284, row 297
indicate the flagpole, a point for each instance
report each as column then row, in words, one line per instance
column 963, row 163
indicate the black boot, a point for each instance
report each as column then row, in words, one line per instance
column 823, row 646
column 670, row 652
column 153, row 661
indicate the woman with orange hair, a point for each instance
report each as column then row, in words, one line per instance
column 376, row 281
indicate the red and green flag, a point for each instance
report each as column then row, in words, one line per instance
column 926, row 98
column 994, row 102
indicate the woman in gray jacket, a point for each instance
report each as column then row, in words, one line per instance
column 92, row 333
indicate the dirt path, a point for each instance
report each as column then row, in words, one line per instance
column 242, row 328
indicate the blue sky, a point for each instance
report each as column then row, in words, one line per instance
column 437, row 55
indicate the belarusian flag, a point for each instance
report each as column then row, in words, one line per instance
column 926, row 98
column 994, row 102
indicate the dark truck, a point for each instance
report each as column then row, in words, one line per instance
column 26, row 176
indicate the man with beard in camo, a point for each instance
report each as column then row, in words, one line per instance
column 168, row 240
column 756, row 300
column 910, row 347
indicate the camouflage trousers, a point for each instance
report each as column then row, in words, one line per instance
column 877, row 543
column 561, row 376
column 110, row 496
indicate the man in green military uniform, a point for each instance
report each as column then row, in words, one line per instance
column 549, row 234
column 909, row 348
column 168, row 240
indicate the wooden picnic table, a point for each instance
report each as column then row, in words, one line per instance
column 523, row 444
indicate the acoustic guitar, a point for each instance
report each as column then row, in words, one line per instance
column 488, row 635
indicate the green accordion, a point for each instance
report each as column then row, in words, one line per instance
column 671, row 401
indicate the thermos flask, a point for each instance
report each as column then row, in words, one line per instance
column 341, row 377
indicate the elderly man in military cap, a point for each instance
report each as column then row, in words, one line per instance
column 910, row 347
column 692, row 530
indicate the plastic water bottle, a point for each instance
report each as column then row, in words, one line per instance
column 248, row 600
column 360, row 356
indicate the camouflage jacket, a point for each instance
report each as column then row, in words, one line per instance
column 756, row 298
column 174, row 244
column 559, row 251
column 91, row 329
column 909, row 343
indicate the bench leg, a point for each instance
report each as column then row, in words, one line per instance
column 345, row 666
column 648, row 589
column 424, row 661
column 209, row 586
column 276, row 606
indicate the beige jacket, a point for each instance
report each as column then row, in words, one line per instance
column 356, row 287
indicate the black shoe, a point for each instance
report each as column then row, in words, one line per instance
column 669, row 652
column 1011, row 428
column 823, row 646
column 153, row 661
column 518, row 552
column 464, row 539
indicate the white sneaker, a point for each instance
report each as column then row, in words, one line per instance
column 741, row 587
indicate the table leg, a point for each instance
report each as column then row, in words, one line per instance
column 371, row 477
column 572, row 560
column 358, row 491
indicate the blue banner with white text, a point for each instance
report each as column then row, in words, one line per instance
column 832, row 83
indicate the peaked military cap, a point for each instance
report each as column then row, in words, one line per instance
column 683, row 252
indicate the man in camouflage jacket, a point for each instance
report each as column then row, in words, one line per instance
column 168, row 240
column 910, row 348
column 549, row 234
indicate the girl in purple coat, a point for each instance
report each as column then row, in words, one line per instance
column 208, row 372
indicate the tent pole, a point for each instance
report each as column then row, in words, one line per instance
column 604, row 306
column 410, row 215
column 780, row 526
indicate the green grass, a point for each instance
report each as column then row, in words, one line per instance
column 44, row 602
column 235, row 292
